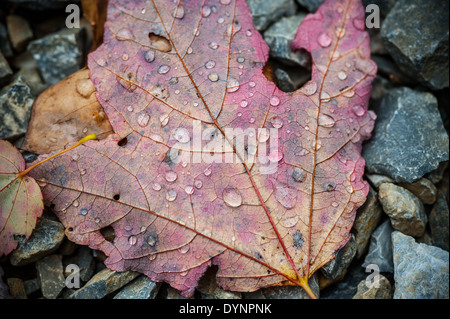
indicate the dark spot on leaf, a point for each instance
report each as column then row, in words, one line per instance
column 108, row 233
column 116, row 197
column 70, row 228
column 122, row 142
column 298, row 240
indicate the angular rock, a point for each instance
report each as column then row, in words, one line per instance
column 439, row 223
column 347, row 287
column 284, row 81
column 278, row 37
column 423, row 189
column 339, row 264
column 5, row 45
column 58, row 55
column 383, row 291
column 380, row 87
column 209, row 288
column 140, row 288
column 389, row 69
column 4, row 290
column 406, row 212
column 32, row 77
column 415, row 33
column 103, row 283
column 286, row 292
column 376, row 180
column 420, row 271
column 5, row 70
column 85, row 262
column 172, row 293
column 50, row 276
column 19, row 31
column 31, row 286
column 310, row 5
column 67, row 248
column 16, row 288
column 380, row 249
column 409, row 138
column 436, row 176
column 367, row 219
column 45, row 239
column 15, row 108
column 265, row 12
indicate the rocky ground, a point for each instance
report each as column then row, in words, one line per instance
column 403, row 226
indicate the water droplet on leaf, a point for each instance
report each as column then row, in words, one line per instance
column 143, row 119
column 324, row 40
column 326, row 120
column 232, row 197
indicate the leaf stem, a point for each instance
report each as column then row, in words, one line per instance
column 84, row 139
column 305, row 285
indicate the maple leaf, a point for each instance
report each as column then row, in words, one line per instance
column 21, row 201
column 167, row 71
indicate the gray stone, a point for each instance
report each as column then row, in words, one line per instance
column 436, row 176
column 380, row 249
column 172, row 293
column 51, row 276
column 367, row 219
column 284, row 81
column 383, row 291
column 423, row 189
column 390, row 70
column 15, row 108
column 103, row 283
column 380, row 87
column 31, row 286
column 279, row 36
column 439, row 222
column 339, row 264
column 44, row 4
column 5, row 45
column 140, row 288
column 406, row 212
column 32, row 77
column 85, row 262
column 310, row 5
column 376, row 180
column 45, row 239
column 347, row 287
column 415, row 33
column 209, row 288
column 420, row 271
column 286, row 292
column 58, row 55
column 4, row 291
column 19, row 32
column 16, row 288
column 409, row 138
column 265, row 12
column 5, row 70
